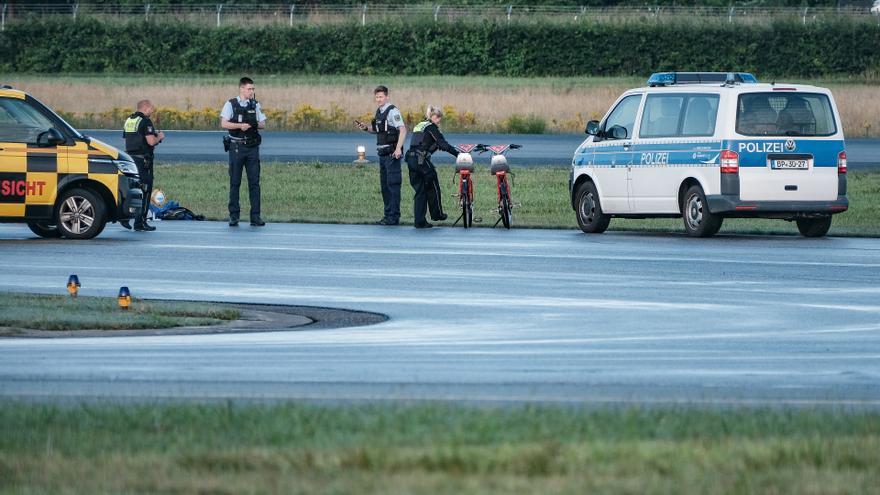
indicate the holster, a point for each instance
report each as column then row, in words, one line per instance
column 227, row 142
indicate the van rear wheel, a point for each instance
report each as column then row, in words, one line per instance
column 698, row 220
column 814, row 227
column 44, row 229
column 80, row 214
column 589, row 211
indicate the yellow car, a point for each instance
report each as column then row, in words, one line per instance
column 58, row 181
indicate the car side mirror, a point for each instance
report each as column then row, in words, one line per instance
column 592, row 128
column 50, row 137
column 617, row 132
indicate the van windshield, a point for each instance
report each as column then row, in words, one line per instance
column 785, row 114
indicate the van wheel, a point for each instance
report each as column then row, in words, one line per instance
column 589, row 211
column 80, row 214
column 698, row 221
column 44, row 229
column 814, row 227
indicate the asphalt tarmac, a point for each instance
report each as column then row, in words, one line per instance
column 538, row 149
column 476, row 316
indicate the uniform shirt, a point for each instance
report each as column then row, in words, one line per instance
column 227, row 112
column 145, row 128
column 394, row 117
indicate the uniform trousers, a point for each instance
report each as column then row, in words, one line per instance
column 248, row 159
column 424, row 181
column 144, row 164
column 390, row 179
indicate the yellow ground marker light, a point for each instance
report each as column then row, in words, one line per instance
column 124, row 298
column 73, row 285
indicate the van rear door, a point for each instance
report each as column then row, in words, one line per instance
column 789, row 146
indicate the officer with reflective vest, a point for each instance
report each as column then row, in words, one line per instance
column 390, row 134
column 426, row 140
column 243, row 118
column 141, row 136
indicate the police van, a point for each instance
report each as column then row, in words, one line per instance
column 706, row 146
column 59, row 182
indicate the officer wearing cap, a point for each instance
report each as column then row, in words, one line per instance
column 390, row 133
column 243, row 118
column 141, row 136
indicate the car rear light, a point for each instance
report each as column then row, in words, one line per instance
column 841, row 162
column 729, row 162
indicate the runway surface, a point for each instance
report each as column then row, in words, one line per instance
column 481, row 315
column 538, row 149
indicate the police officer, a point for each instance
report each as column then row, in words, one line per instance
column 243, row 118
column 390, row 133
column 426, row 139
column 141, row 136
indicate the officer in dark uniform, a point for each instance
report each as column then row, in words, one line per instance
column 243, row 118
column 426, row 139
column 390, row 134
column 141, row 136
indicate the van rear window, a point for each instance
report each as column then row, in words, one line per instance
column 785, row 114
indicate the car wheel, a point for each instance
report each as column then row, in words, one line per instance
column 79, row 214
column 698, row 220
column 814, row 227
column 589, row 210
column 44, row 229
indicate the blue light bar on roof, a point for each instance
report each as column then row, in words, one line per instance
column 670, row 78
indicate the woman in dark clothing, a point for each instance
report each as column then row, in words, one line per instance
column 426, row 139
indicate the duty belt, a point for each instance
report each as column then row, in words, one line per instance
column 243, row 141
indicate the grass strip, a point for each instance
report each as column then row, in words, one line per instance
column 46, row 312
column 340, row 193
column 225, row 448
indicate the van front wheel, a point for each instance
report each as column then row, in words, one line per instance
column 698, row 221
column 814, row 227
column 589, row 211
column 80, row 214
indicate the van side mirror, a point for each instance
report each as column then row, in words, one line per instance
column 50, row 137
column 592, row 128
column 617, row 132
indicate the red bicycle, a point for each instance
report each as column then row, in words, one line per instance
column 501, row 170
column 464, row 169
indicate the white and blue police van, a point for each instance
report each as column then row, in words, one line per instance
column 706, row 146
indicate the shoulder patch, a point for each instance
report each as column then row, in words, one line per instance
column 397, row 117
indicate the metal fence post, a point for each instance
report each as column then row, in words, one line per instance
column 509, row 11
column 3, row 19
column 364, row 16
column 219, row 9
column 805, row 15
column 75, row 8
column 147, row 12
column 291, row 14
column 436, row 11
column 730, row 15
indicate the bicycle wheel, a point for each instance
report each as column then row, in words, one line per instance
column 467, row 209
column 504, row 207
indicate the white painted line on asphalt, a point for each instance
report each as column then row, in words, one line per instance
column 584, row 257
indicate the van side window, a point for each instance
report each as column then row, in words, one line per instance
column 20, row 122
column 624, row 114
column 679, row 115
column 785, row 114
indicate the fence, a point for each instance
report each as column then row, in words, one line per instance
column 220, row 14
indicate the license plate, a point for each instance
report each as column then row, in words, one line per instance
column 790, row 164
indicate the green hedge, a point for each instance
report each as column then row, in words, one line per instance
column 780, row 48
